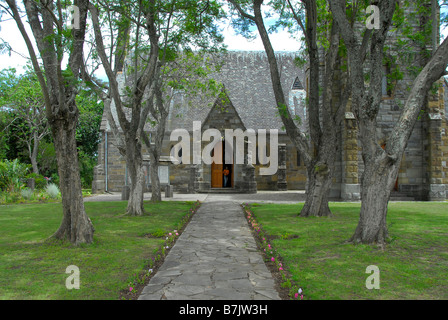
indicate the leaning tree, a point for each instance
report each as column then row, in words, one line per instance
column 162, row 30
column 381, row 164
column 326, row 111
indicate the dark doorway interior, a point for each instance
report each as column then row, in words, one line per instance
column 222, row 174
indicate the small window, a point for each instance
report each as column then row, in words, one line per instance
column 297, row 85
column 299, row 160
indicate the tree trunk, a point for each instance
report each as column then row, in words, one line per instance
column 76, row 225
column 134, row 161
column 320, row 175
column 135, row 203
column 319, row 168
column 34, row 163
column 33, row 155
column 156, row 195
column 377, row 182
column 319, row 183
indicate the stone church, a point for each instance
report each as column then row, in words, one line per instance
column 250, row 104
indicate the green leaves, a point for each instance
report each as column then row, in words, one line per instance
column 21, row 94
column 283, row 110
column 90, row 114
column 190, row 73
column 12, row 175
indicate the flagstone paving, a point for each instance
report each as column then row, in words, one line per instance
column 215, row 258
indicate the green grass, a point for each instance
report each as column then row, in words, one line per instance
column 414, row 264
column 33, row 268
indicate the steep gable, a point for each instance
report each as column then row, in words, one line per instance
column 246, row 77
column 223, row 115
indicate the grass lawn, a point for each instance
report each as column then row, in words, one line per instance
column 33, row 268
column 414, row 264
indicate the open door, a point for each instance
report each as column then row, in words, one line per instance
column 217, row 177
column 217, row 170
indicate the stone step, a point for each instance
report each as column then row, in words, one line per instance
column 223, row 190
column 400, row 196
column 402, row 199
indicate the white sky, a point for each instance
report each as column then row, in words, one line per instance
column 281, row 41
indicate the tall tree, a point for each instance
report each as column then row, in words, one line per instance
column 381, row 165
column 59, row 87
column 23, row 96
column 186, row 75
column 143, row 76
column 169, row 27
column 325, row 114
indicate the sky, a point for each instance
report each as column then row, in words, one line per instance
column 281, row 41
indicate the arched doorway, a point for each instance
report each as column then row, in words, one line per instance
column 218, row 170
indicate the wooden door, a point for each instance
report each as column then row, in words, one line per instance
column 217, row 177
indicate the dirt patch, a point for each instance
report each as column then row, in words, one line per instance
column 283, row 237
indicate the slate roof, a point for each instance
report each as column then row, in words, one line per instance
column 247, row 81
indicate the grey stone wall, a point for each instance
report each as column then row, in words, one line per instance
column 251, row 106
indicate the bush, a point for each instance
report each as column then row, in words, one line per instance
column 46, row 159
column 39, row 180
column 55, row 178
column 86, row 165
column 12, row 175
column 27, row 193
column 52, row 190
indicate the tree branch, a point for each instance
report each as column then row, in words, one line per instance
column 114, row 88
column 299, row 21
column 16, row 16
column 432, row 72
column 241, row 11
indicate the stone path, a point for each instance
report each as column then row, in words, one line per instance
column 215, row 258
column 292, row 196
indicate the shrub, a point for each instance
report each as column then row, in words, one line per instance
column 52, row 190
column 39, row 180
column 12, row 175
column 159, row 233
column 55, row 178
column 27, row 193
column 9, row 197
column 46, row 159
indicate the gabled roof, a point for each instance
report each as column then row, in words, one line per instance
column 223, row 107
column 247, row 81
column 297, row 85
